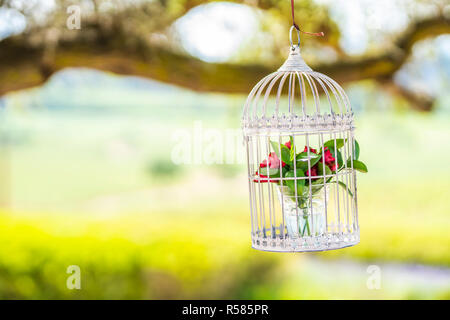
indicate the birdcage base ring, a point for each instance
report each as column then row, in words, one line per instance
column 330, row 241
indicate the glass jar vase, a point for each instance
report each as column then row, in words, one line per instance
column 304, row 216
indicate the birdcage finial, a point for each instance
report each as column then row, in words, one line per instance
column 295, row 61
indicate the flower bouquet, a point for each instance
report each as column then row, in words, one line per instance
column 302, row 180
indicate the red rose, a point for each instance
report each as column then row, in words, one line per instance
column 328, row 156
column 310, row 149
column 312, row 172
column 330, row 161
column 288, row 144
column 261, row 176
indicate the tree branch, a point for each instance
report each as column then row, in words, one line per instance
column 23, row 65
column 419, row 102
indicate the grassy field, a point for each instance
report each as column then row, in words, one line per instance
column 148, row 256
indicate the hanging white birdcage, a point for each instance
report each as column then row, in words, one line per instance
column 298, row 134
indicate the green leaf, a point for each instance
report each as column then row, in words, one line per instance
column 356, row 150
column 316, row 188
column 320, row 170
column 275, row 147
column 270, row 172
column 343, row 185
column 330, row 143
column 292, row 155
column 318, row 184
column 291, row 183
column 285, row 170
column 302, row 160
column 357, row 165
column 286, row 155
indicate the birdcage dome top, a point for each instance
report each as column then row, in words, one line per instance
column 296, row 98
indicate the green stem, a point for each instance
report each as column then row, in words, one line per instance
column 304, row 206
column 305, row 217
column 302, row 231
column 307, row 224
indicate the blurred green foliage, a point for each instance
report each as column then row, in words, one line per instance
column 206, row 256
column 87, row 189
column 162, row 168
column 129, row 258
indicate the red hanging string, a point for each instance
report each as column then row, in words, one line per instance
column 318, row 34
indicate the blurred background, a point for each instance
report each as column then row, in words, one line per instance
column 120, row 148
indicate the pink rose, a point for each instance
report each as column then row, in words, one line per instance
column 274, row 162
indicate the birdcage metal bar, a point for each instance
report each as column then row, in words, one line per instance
column 280, row 88
column 249, row 184
column 282, row 183
column 269, row 190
